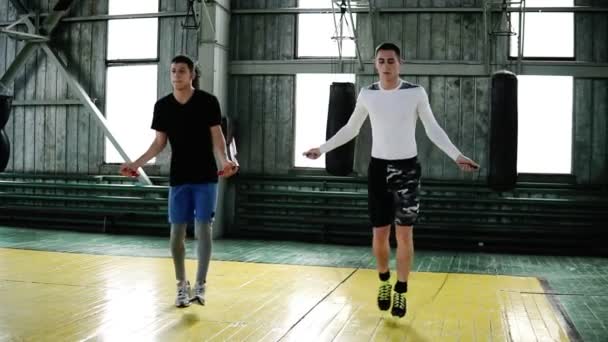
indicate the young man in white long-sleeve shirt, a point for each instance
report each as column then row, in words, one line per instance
column 393, row 106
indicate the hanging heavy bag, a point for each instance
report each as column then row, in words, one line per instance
column 5, row 109
column 342, row 100
column 5, row 149
column 5, row 146
column 503, row 132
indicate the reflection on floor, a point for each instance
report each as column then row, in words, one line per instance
column 52, row 296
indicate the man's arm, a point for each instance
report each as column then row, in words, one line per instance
column 227, row 167
column 348, row 131
column 435, row 133
column 439, row 137
column 158, row 144
column 219, row 144
column 344, row 135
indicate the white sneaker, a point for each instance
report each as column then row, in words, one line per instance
column 199, row 293
column 183, row 295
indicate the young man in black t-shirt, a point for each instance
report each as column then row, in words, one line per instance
column 190, row 119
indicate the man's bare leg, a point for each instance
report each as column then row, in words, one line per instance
column 381, row 247
column 405, row 252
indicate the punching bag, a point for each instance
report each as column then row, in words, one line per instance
column 503, row 131
column 5, row 146
column 342, row 100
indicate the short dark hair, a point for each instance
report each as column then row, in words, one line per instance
column 193, row 69
column 388, row 46
column 185, row 60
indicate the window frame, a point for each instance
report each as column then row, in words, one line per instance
column 539, row 58
column 109, row 63
column 297, row 40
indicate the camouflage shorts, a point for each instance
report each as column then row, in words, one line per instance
column 393, row 191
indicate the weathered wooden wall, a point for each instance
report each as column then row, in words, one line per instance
column 590, row 136
column 460, row 103
column 65, row 138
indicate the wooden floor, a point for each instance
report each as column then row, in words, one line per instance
column 51, row 296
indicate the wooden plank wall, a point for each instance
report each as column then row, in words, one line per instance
column 57, row 139
column 264, row 115
column 263, row 106
column 590, row 126
column 65, row 139
column 254, row 37
column 173, row 40
column 461, row 104
column 262, row 36
column 8, row 47
column 590, row 140
column 426, row 36
column 62, row 139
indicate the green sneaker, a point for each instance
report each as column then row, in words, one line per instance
column 384, row 295
column 399, row 305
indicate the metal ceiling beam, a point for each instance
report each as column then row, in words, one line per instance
column 574, row 69
column 106, row 17
column 419, row 67
column 303, row 66
column 88, row 103
column 19, row 7
column 24, row 53
column 480, row 10
column 61, row 9
column 26, row 36
column 49, row 24
column 22, row 57
column 168, row 14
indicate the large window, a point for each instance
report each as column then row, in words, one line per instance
column 131, row 94
column 317, row 34
column 546, row 35
column 312, row 105
column 544, row 124
column 317, row 31
column 131, row 84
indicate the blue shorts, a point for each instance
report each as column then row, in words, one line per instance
column 189, row 201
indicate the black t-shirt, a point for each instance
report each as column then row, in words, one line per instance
column 187, row 127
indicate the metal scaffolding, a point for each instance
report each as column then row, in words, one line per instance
column 503, row 27
column 345, row 26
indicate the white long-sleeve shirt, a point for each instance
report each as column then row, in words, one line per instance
column 393, row 114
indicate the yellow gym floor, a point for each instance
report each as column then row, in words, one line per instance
column 51, row 296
